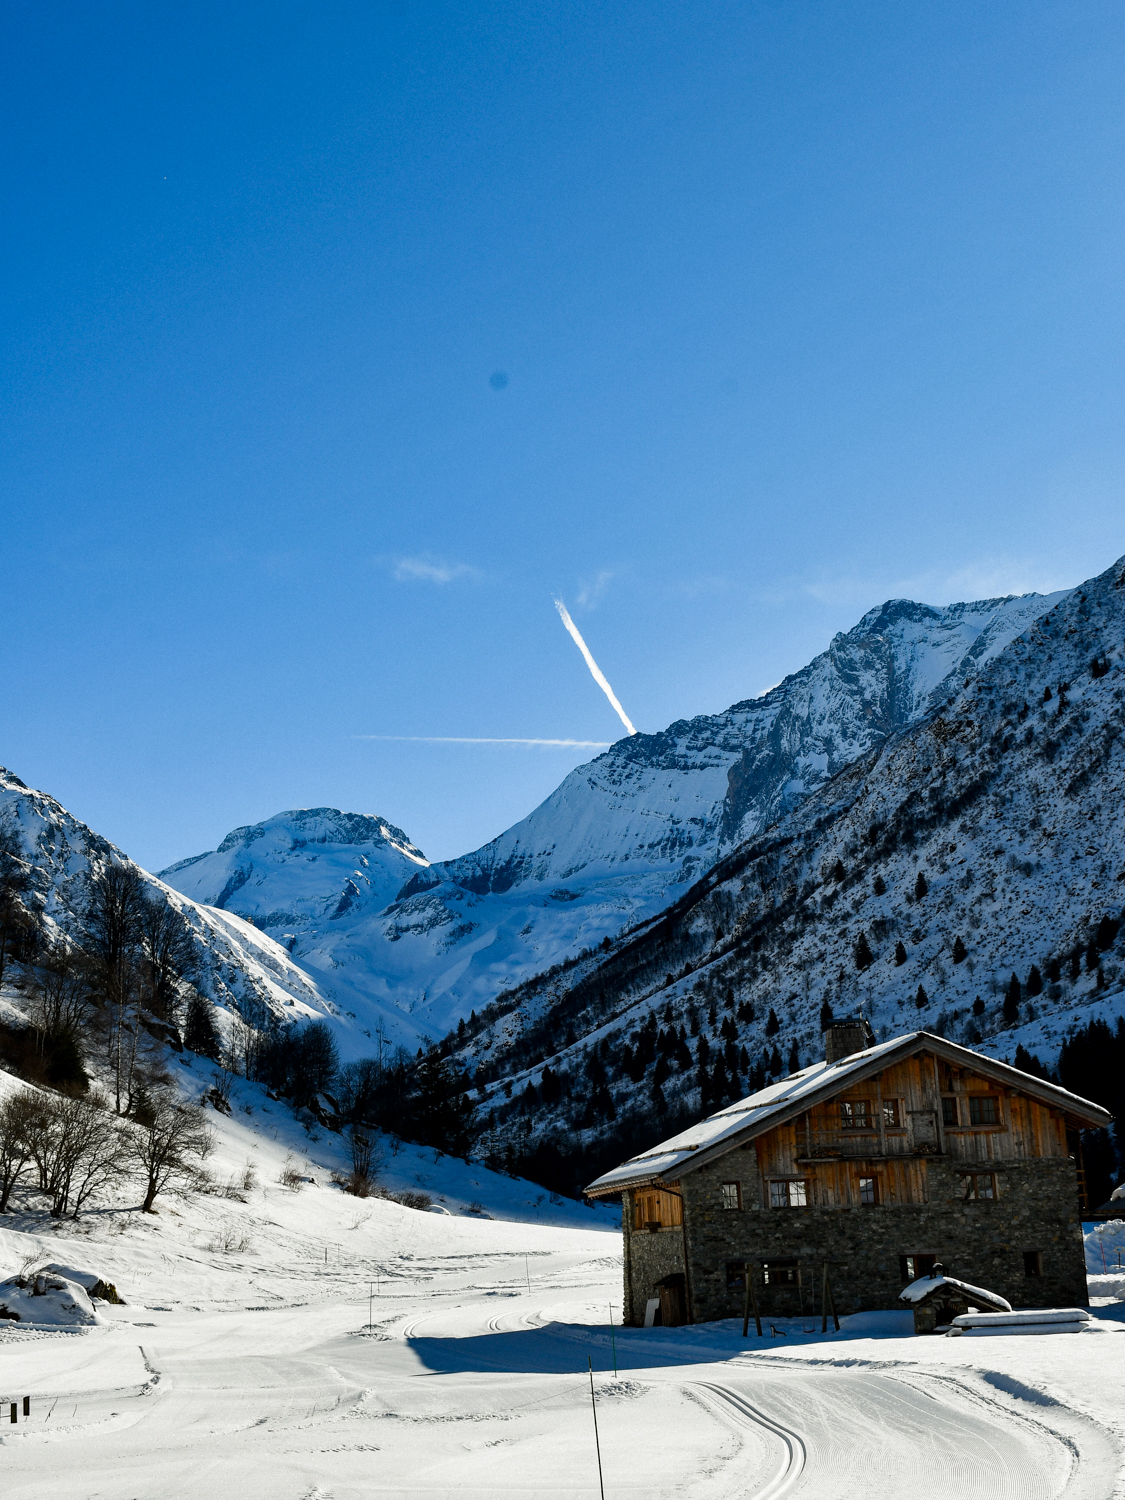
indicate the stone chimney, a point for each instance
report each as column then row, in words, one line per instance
column 843, row 1037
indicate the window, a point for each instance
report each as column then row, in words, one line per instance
column 949, row 1111
column 1033, row 1262
column 781, row 1273
column 790, row 1193
column 913, row 1267
column 892, row 1114
column 736, row 1276
column 855, row 1114
column 978, row 1186
column 732, row 1194
column 654, row 1209
column 984, row 1109
column 868, row 1190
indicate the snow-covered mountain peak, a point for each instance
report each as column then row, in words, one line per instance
column 301, row 868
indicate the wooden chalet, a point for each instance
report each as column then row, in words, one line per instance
column 865, row 1170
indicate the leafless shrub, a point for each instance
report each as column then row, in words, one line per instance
column 249, row 1176
column 230, row 1238
column 290, row 1177
column 409, row 1199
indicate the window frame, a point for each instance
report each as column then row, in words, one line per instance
column 949, row 1105
column 895, row 1120
column 910, row 1267
column 727, row 1191
column 975, row 1103
column 1032, row 1263
column 856, row 1121
column 791, row 1188
column 874, row 1199
column 973, row 1194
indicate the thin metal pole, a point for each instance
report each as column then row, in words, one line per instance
column 370, row 1294
column 612, row 1341
column 597, row 1444
column 527, row 1273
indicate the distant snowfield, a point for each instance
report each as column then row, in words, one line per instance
column 253, row 1372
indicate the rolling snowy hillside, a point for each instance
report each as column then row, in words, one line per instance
column 620, row 839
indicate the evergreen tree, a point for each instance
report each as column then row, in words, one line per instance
column 775, row 1063
column 200, row 1035
column 794, row 1058
column 1093, row 957
column 920, row 887
column 826, row 1016
column 838, row 871
column 773, row 1025
column 1076, row 964
column 978, row 1006
column 921, row 999
column 1054, row 970
column 864, row 957
column 1027, row 1063
column 1106, row 933
column 444, row 1111
column 960, row 952
column 1012, row 997
column 879, row 886
column 1034, row 981
column 900, row 954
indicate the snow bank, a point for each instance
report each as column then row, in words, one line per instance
column 1105, row 1247
column 46, row 1300
column 1030, row 1320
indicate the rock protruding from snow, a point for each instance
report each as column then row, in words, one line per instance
column 46, row 1300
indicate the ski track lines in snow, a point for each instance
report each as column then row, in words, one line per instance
column 278, row 1403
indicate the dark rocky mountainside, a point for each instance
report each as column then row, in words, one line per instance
column 982, row 843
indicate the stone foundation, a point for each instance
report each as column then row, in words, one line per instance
column 980, row 1242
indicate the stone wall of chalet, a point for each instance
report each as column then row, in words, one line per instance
column 979, row 1242
column 649, row 1257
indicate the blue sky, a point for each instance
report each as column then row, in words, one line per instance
column 800, row 306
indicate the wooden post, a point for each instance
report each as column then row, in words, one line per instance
column 749, row 1300
column 597, row 1441
column 27, row 1406
column 13, row 1417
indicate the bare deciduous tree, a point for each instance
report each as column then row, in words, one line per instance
column 169, row 1146
column 16, row 1114
column 169, row 955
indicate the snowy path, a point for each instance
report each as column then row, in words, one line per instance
column 451, row 1395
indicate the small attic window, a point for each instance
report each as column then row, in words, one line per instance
column 731, row 1194
column 855, row 1114
column 984, row 1109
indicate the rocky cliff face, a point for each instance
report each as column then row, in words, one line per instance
column 985, row 839
column 620, row 839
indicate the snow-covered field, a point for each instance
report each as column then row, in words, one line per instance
column 342, row 1347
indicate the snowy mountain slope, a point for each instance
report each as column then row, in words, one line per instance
column 237, row 962
column 300, row 869
column 615, row 843
column 1007, row 798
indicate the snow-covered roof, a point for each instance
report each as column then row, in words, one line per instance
column 918, row 1290
column 790, row 1096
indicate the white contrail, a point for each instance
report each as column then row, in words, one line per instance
column 595, row 670
column 464, row 739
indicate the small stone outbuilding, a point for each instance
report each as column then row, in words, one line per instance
column 937, row 1299
column 860, row 1173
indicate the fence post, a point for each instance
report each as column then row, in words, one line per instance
column 750, row 1299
